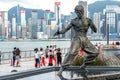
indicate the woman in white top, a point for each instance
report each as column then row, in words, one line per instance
column 37, row 57
column 42, row 57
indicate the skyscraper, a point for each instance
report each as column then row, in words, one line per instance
column 47, row 16
column 13, row 27
column 43, row 25
column 34, row 24
column 1, row 23
column 4, row 24
column 23, row 23
column 47, row 28
column 57, row 12
column 96, row 20
column 58, row 15
column 29, row 28
column 18, row 15
column 111, row 20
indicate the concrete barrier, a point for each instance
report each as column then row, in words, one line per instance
column 108, row 76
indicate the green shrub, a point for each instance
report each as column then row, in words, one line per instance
column 98, row 62
column 77, row 61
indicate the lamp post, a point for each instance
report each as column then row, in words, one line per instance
column 107, row 25
column 108, row 34
column 58, row 24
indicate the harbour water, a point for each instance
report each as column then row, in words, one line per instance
column 6, row 46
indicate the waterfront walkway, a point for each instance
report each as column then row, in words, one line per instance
column 25, row 65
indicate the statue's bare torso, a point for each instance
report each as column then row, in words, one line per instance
column 80, row 26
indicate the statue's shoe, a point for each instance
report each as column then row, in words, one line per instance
column 83, row 67
column 60, row 71
column 63, row 67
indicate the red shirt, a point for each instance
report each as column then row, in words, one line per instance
column 81, row 51
column 50, row 60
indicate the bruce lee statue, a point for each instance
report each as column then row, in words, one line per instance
column 80, row 24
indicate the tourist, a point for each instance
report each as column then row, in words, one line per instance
column 54, row 57
column 54, row 47
column 59, row 57
column 117, row 45
column 14, row 57
column 50, row 56
column 46, row 51
column 42, row 57
column 37, row 57
column 50, row 48
column 18, row 56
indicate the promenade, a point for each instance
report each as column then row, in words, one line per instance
column 6, row 68
column 27, row 62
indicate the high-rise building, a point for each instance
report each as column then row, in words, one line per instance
column 29, row 33
column 47, row 16
column 57, row 12
column 43, row 25
column 118, row 28
column 34, row 24
column 18, row 15
column 23, row 23
column 47, row 29
column 58, row 16
column 44, row 28
column 4, row 24
column 1, row 24
column 111, row 20
column 96, row 20
column 13, row 27
column 52, row 28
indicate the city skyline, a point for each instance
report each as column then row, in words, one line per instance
column 37, row 24
column 66, row 9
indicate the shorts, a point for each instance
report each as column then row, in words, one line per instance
column 17, row 57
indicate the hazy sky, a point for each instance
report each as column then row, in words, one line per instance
column 67, row 6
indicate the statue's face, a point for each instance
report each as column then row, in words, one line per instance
column 79, row 10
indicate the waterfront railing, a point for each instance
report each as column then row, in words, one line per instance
column 29, row 54
column 25, row 55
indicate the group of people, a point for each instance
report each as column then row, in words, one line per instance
column 51, row 55
column 16, row 57
column 39, row 57
column 115, row 45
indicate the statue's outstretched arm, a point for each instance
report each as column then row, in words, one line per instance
column 92, row 26
column 64, row 30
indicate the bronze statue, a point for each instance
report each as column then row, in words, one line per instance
column 80, row 24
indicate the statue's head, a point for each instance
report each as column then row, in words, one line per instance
column 79, row 10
